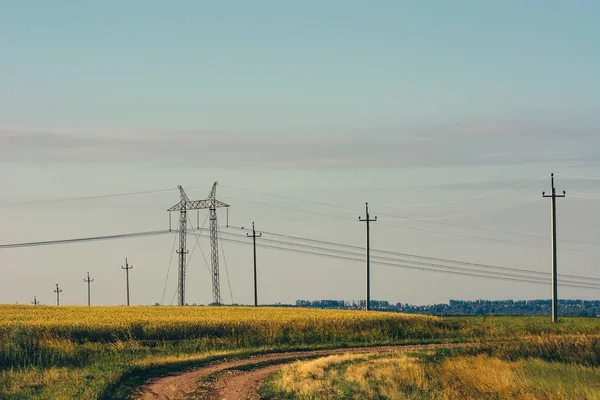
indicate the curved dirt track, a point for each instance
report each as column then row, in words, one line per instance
column 234, row 384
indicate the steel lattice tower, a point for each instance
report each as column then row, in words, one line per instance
column 183, row 206
column 214, row 246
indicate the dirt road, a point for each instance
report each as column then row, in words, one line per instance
column 235, row 384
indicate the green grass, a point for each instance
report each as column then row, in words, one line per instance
column 546, row 367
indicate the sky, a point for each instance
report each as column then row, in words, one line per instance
column 447, row 117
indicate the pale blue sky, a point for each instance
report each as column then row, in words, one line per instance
column 393, row 102
column 286, row 65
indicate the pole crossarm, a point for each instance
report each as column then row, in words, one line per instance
column 187, row 204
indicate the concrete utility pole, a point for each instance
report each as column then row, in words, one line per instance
column 58, row 292
column 368, row 220
column 127, row 267
column 35, row 302
column 88, row 281
column 254, row 236
column 553, row 197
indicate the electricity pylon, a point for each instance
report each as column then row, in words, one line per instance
column 185, row 204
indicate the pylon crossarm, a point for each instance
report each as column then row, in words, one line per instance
column 198, row 205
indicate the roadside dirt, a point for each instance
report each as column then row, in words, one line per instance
column 232, row 384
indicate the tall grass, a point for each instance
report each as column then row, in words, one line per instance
column 549, row 367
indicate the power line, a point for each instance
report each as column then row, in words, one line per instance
column 162, row 299
column 198, row 244
column 587, row 195
column 411, row 219
column 152, row 233
column 517, row 274
column 591, row 178
column 399, row 205
column 423, row 268
column 438, row 232
column 434, row 259
column 67, row 199
column 225, row 262
column 469, row 213
column 469, row 198
column 85, row 239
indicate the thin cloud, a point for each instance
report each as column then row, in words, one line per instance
column 469, row 144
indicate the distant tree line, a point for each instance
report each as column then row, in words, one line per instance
column 581, row 308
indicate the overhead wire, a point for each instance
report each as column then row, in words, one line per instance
column 397, row 205
column 93, row 197
column 198, row 244
column 85, row 239
column 589, row 178
column 469, row 198
column 67, row 199
column 421, row 268
column 517, row 271
column 471, row 213
column 162, row 299
column 586, row 195
column 411, row 228
column 320, row 252
column 225, row 262
column 420, row 257
column 409, row 220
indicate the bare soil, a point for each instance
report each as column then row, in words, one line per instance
column 235, row 384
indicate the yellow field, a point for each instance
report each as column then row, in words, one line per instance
column 235, row 323
column 51, row 352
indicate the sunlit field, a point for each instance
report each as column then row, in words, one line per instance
column 542, row 368
column 103, row 352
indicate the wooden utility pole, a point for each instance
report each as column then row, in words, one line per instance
column 254, row 236
column 58, row 292
column 367, row 219
column 35, row 302
column 127, row 267
column 553, row 197
column 88, row 281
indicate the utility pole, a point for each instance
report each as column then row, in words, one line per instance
column 35, row 302
column 58, row 292
column 88, row 281
column 553, row 197
column 254, row 236
column 368, row 220
column 127, row 267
